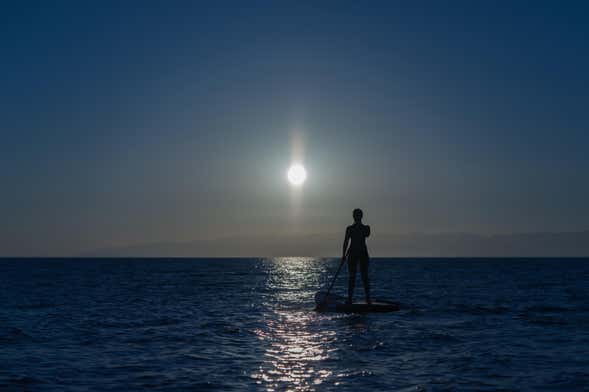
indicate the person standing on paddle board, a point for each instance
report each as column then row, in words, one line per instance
column 357, row 254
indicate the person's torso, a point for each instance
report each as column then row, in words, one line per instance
column 358, row 233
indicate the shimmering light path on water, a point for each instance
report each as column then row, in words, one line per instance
column 248, row 324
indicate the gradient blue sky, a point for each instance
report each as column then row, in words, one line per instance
column 136, row 122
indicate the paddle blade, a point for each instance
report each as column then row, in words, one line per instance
column 323, row 299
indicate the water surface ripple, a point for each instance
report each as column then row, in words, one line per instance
column 248, row 324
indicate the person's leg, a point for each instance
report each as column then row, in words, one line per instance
column 351, row 277
column 365, row 281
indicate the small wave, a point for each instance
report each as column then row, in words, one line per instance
column 20, row 382
column 543, row 320
column 437, row 337
column 478, row 310
column 35, row 306
column 547, row 309
column 159, row 322
column 13, row 335
column 355, row 373
column 413, row 388
column 570, row 381
column 544, row 315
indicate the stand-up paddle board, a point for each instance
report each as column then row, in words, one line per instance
column 336, row 303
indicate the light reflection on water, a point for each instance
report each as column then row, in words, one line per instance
column 248, row 324
column 294, row 345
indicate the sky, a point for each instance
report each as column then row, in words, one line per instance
column 140, row 122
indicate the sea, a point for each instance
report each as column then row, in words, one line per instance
column 250, row 325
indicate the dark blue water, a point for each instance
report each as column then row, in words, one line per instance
column 248, row 324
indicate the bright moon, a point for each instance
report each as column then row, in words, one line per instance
column 297, row 174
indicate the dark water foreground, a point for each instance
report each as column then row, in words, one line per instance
column 247, row 324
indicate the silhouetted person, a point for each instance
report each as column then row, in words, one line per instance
column 357, row 254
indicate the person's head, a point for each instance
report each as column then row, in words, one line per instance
column 357, row 214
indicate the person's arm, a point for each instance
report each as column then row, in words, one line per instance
column 367, row 231
column 346, row 243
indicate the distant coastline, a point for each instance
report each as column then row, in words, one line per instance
column 542, row 244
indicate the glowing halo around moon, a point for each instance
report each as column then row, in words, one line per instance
column 296, row 174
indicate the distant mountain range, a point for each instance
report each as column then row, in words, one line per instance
column 563, row 244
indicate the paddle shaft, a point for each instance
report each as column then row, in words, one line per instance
column 341, row 264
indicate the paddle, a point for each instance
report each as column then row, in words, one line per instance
column 331, row 285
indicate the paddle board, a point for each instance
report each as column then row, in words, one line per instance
column 335, row 303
